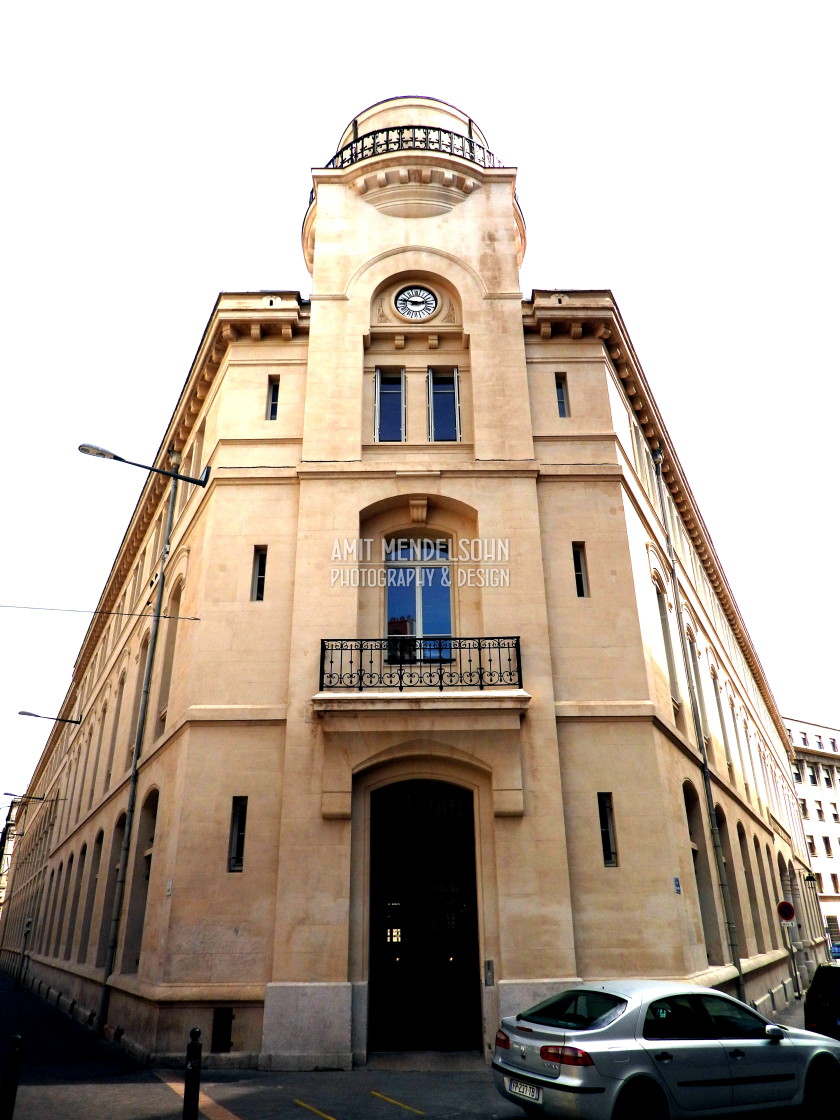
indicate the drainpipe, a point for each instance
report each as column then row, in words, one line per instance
column 720, row 862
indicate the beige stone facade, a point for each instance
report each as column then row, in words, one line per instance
column 442, row 664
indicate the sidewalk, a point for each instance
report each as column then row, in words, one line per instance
column 65, row 1067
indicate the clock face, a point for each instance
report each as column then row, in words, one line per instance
column 416, row 303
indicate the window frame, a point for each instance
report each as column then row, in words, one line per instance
column 272, row 398
column 391, row 372
column 561, row 389
column 258, row 571
column 431, row 372
column 236, row 840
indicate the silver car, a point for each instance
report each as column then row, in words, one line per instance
column 650, row 1049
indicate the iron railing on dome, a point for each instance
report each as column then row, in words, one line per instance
column 411, row 138
column 405, row 661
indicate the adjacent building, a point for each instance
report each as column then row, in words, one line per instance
column 816, row 775
column 452, row 701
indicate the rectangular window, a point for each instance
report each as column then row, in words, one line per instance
column 827, row 845
column 812, row 774
column 273, row 398
column 669, row 649
column 835, row 816
column 579, row 563
column 803, row 808
column 562, row 394
column 258, row 573
column 835, row 885
column 827, row 777
column 444, row 410
column 819, row 879
column 389, row 406
column 818, row 741
column 236, row 846
column 797, row 772
column 812, row 847
column 819, row 808
column 833, row 744
column 804, row 738
column 607, row 823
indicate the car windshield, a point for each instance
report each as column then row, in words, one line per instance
column 577, row 1009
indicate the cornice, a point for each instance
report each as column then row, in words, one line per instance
column 247, row 316
column 594, row 316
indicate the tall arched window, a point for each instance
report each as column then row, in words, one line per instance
column 173, row 611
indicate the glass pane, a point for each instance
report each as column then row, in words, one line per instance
column 444, row 420
column 402, row 600
column 437, row 614
column 390, row 408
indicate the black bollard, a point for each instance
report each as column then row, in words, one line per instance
column 9, row 1080
column 192, row 1076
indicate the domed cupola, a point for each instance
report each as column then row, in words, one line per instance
column 410, row 157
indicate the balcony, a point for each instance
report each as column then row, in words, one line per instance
column 404, row 661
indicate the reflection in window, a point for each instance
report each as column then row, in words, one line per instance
column 419, row 599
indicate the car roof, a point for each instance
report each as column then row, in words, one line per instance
column 640, row 989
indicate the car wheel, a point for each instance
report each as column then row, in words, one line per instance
column 822, row 1083
column 641, row 1098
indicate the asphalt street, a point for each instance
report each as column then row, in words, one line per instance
column 69, row 1074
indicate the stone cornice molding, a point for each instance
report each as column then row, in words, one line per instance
column 247, row 316
column 593, row 316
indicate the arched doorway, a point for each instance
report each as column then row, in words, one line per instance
column 424, row 980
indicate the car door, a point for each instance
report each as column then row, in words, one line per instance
column 764, row 1070
column 693, row 1066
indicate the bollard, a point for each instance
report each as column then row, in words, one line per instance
column 9, row 1080
column 192, row 1076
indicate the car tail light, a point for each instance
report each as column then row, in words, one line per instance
column 565, row 1056
column 502, row 1040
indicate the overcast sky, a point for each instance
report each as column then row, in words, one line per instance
column 681, row 155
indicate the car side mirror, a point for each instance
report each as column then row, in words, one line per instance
column 773, row 1032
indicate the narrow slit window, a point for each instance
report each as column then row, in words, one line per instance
column 581, row 575
column 273, row 398
column 258, row 573
column 444, row 406
column 607, row 824
column 236, row 847
column 562, row 394
column 389, row 406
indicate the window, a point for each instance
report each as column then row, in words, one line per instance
column 444, row 410
column 819, row 879
column 562, row 394
column 833, row 744
column 273, row 398
column 812, row 774
column 662, row 603
column 803, row 735
column 819, row 808
column 812, row 847
column 389, row 406
column 835, row 816
column 579, row 562
column 803, row 808
column 797, row 772
column 607, row 823
column 258, row 573
column 236, row 846
column 418, row 599
column 828, row 777
column 827, row 846
column 835, row 884
column 819, row 742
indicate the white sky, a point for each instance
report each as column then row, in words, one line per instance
column 681, row 155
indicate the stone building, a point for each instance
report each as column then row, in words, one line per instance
column 816, row 776
column 452, row 701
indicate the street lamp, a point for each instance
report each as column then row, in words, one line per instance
column 55, row 719
column 119, row 893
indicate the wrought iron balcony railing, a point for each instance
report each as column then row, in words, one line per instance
column 405, row 661
column 411, row 138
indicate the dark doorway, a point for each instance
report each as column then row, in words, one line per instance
column 424, row 991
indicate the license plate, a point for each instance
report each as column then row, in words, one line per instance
column 520, row 1089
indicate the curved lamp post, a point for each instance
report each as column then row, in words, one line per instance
column 119, row 892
